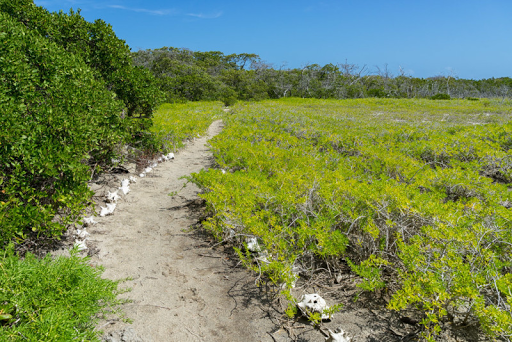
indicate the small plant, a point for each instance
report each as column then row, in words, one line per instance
column 52, row 299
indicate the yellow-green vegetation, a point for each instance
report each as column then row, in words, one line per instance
column 412, row 194
column 174, row 123
column 52, row 299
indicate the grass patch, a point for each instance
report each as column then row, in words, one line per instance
column 174, row 123
column 52, row 299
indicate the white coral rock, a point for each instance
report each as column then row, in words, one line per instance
column 112, row 197
column 312, row 303
column 89, row 221
column 81, row 233
column 108, row 210
column 125, row 189
column 142, row 175
column 133, row 179
column 81, row 245
column 148, row 169
column 125, row 182
column 339, row 335
column 253, row 245
column 170, row 156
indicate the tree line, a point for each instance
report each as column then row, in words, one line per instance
column 185, row 75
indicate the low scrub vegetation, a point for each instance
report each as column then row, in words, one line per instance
column 174, row 124
column 411, row 194
column 52, row 299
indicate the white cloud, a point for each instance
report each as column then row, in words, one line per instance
column 144, row 10
column 206, row 15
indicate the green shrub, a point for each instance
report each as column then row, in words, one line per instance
column 52, row 299
column 69, row 96
column 440, row 96
column 97, row 45
column 57, row 120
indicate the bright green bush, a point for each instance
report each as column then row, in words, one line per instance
column 52, row 299
column 416, row 190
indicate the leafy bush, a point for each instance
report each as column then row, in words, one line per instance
column 441, row 96
column 57, row 118
column 97, row 45
column 65, row 86
column 52, row 299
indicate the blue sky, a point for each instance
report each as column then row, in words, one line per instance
column 464, row 38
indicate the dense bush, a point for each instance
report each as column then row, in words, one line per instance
column 441, row 96
column 64, row 84
column 52, row 299
column 97, row 45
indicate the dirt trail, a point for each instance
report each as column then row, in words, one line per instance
column 182, row 290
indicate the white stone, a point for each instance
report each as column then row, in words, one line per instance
column 148, row 169
column 253, row 245
column 82, row 233
column 311, row 303
column 142, row 175
column 263, row 257
column 338, row 335
column 170, row 156
column 125, row 189
column 125, row 182
column 108, row 210
column 112, row 197
column 81, row 245
column 133, row 179
column 89, row 221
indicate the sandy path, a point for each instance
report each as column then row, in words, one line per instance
column 181, row 289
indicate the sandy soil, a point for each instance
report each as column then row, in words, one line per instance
column 185, row 290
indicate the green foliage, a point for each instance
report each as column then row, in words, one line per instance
column 64, row 86
column 441, row 96
column 45, row 151
column 52, row 299
column 175, row 123
column 98, row 47
column 417, row 188
column 370, row 271
column 186, row 75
